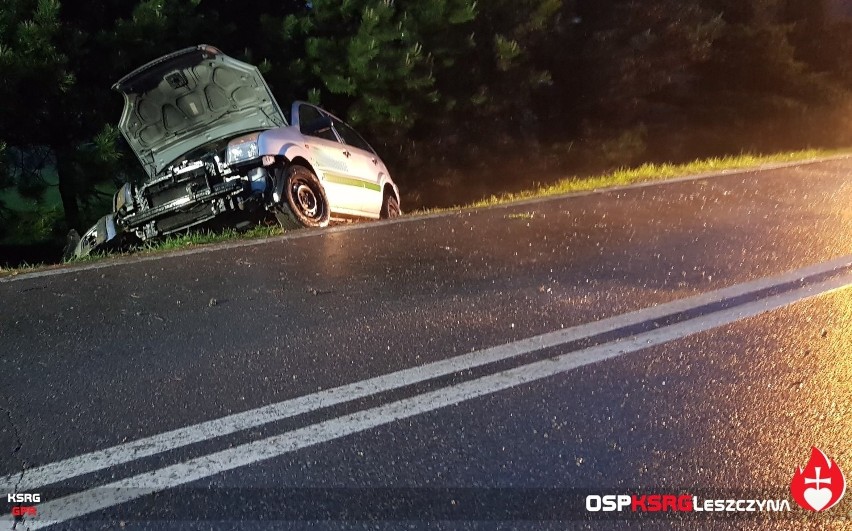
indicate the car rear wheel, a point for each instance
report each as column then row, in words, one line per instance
column 306, row 204
column 390, row 207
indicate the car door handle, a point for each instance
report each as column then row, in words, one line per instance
column 347, row 154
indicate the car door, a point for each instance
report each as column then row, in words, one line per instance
column 332, row 160
column 366, row 166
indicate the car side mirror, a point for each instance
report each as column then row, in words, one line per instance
column 318, row 126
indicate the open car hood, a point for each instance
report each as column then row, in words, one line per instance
column 191, row 97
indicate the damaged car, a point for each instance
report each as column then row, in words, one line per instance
column 214, row 143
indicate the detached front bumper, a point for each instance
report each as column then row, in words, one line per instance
column 103, row 234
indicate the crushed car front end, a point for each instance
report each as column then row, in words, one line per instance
column 191, row 192
column 192, row 118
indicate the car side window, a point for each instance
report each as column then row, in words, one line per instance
column 308, row 117
column 351, row 137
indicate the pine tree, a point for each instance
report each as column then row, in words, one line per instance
column 435, row 71
column 638, row 55
column 755, row 70
column 367, row 58
column 35, row 78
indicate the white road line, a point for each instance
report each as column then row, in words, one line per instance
column 164, row 442
column 125, row 490
column 408, row 219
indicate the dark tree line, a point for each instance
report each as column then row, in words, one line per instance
column 436, row 84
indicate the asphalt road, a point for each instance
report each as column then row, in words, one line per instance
column 103, row 356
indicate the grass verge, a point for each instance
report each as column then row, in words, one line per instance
column 192, row 239
column 169, row 243
column 647, row 173
column 621, row 177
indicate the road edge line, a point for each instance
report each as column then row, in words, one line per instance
column 307, row 233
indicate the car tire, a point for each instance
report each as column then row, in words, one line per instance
column 390, row 207
column 304, row 203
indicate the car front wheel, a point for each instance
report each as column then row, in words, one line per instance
column 306, row 204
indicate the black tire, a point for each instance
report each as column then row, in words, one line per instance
column 304, row 203
column 390, row 207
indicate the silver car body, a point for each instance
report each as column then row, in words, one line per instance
column 354, row 177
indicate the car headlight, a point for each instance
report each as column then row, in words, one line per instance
column 243, row 149
column 123, row 199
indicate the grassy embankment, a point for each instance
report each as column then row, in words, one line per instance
column 621, row 177
column 656, row 172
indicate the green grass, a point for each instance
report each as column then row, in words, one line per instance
column 193, row 239
column 190, row 239
column 644, row 173
column 169, row 243
column 21, row 269
column 621, row 177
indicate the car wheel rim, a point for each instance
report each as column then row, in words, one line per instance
column 306, row 200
